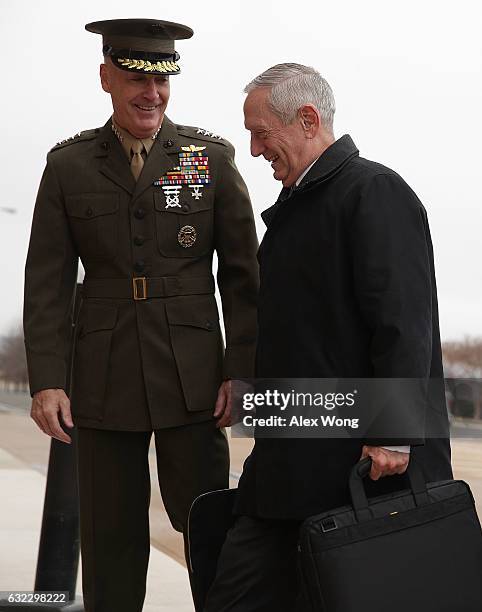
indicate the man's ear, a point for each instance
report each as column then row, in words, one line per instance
column 104, row 78
column 310, row 120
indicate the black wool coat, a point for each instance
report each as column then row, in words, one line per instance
column 347, row 290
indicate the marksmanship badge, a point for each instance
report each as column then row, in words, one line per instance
column 172, row 195
column 193, row 171
column 187, row 236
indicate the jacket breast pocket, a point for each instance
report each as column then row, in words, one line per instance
column 94, row 221
column 91, row 360
column 198, row 349
column 185, row 230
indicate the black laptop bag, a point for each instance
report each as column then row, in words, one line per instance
column 210, row 518
column 418, row 550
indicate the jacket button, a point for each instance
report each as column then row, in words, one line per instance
column 139, row 266
column 209, row 325
column 140, row 213
column 139, row 240
column 89, row 212
column 185, row 207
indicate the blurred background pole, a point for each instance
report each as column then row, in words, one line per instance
column 58, row 556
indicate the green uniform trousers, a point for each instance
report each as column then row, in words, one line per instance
column 114, row 488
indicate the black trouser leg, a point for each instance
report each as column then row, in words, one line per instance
column 257, row 568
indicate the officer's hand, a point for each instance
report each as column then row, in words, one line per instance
column 222, row 410
column 46, row 405
column 385, row 462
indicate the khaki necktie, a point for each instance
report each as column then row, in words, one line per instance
column 137, row 162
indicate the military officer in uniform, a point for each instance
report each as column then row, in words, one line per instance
column 144, row 203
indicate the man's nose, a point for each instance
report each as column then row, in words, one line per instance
column 150, row 90
column 256, row 147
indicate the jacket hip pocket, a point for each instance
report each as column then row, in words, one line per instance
column 91, row 360
column 198, row 349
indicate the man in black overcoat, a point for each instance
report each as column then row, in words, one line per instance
column 347, row 291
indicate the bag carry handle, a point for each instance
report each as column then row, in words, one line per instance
column 357, row 490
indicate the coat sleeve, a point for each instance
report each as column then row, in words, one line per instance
column 393, row 288
column 238, row 278
column 50, row 278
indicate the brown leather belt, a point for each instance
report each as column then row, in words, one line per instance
column 143, row 288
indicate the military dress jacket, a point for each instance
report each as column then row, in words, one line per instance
column 347, row 291
column 148, row 346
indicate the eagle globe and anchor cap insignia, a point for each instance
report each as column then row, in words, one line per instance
column 187, row 236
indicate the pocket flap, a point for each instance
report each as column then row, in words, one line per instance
column 98, row 317
column 187, row 204
column 204, row 315
column 90, row 205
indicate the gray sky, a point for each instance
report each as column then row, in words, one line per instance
column 406, row 77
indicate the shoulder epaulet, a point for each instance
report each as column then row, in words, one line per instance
column 81, row 136
column 201, row 134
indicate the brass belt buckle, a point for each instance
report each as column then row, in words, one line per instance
column 139, row 285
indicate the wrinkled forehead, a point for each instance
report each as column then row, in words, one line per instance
column 257, row 111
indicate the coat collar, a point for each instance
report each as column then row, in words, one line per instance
column 330, row 162
column 158, row 162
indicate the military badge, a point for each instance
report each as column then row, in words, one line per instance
column 187, row 236
column 208, row 133
column 69, row 139
column 193, row 171
column 196, row 191
column 172, row 195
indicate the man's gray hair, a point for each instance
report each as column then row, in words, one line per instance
column 293, row 86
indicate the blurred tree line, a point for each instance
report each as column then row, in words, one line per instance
column 463, row 374
column 13, row 363
column 463, row 359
